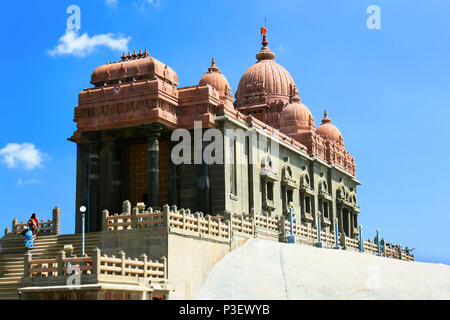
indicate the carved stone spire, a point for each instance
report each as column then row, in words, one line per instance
column 325, row 117
column 265, row 53
column 213, row 67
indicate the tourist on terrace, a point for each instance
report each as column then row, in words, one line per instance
column 29, row 239
column 33, row 225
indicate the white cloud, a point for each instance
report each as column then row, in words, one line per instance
column 21, row 182
column 112, row 3
column 72, row 43
column 141, row 4
column 22, row 155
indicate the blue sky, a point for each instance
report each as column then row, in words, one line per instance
column 387, row 90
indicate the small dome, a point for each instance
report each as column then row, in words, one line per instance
column 296, row 118
column 217, row 80
column 137, row 65
column 329, row 131
column 265, row 77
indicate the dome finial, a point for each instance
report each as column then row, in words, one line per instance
column 325, row 117
column 213, row 67
column 265, row 53
column 293, row 96
column 264, row 42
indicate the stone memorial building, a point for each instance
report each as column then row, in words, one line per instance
column 123, row 137
column 155, row 225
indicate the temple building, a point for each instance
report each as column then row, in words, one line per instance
column 123, row 138
column 156, row 226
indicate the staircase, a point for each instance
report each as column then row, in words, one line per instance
column 13, row 250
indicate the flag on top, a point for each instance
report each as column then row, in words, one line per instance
column 263, row 30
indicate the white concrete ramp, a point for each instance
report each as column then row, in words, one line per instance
column 269, row 270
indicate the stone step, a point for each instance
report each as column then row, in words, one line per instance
column 9, row 286
column 13, row 274
column 8, row 290
column 21, row 246
column 9, row 281
column 11, row 270
column 12, row 261
column 15, row 241
column 19, row 250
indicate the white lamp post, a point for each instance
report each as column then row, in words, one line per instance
column 291, row 237
column 336, row 233
column 319, row 241
column 82, row 210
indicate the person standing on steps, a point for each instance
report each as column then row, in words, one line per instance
column 29, row 239
column 33, row 225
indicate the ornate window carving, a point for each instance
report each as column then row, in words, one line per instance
column 323, row 190
column 268, row 178
column 267, row 168
column 306, row 196
column 346, row 196
column 288, row 184
column 287, row 178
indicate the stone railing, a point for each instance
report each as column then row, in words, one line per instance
column 349, row 243
column 397, row 253
column 308, row 235
column 131, row 219
column 48, row 227
column 193, row 223
column 304, row 234
column 196, row 223
column 264, row 221
column 370, row 247
column 222, row 227
column 95, row 264
column 242, row 224
column 328, row 239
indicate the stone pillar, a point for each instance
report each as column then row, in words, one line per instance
column 105, row 215
column 199, row 217
column 203, row 187
column 282, row 235
column 350, row 224
column 166, row 216
column 94, row 183
column 349, row 219
column 14, row 225
column 145, row 266
column 166, row 271
column 26, row 264
column 116, row 171
column 126, row 207
column 96, row 261
column 61, row 255
column 342, row 236
column 134, row 218
column 173, row 181
column 56, row 221
column 122, row 264
column 153, row 132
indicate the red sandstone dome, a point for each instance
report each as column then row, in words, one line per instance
column 217, row 80
column 265, row 76
column 296, row 118
column 138, row 66
column 329, row 131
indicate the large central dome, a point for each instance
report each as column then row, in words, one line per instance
column 265, row 77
